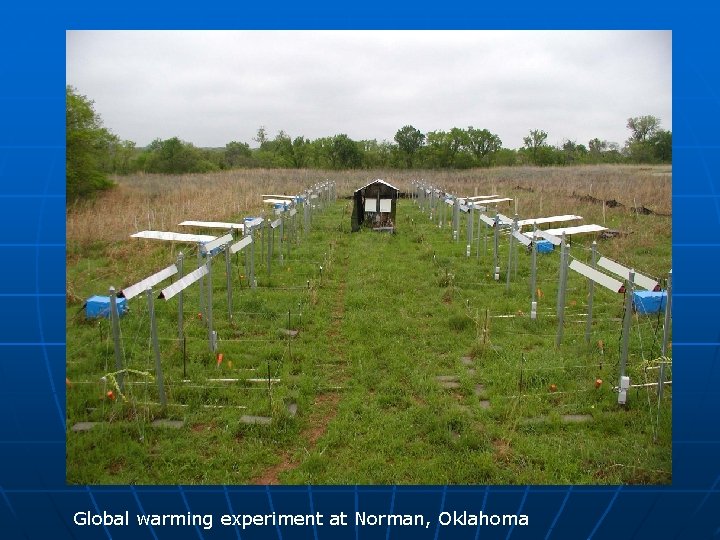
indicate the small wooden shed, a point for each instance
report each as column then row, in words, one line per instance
column 374, row 206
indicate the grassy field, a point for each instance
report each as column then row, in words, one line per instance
column 355, row 397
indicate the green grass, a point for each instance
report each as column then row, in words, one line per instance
column 389, row 314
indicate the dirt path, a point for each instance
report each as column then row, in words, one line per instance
column 326, row 404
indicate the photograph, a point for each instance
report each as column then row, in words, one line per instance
column 369, row 257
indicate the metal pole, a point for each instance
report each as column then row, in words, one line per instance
column 626, row 322
column 211, row 333
column 468, row 248
column 515, row 254
column 533, row 277
column 156, row 349
column 591, row 294
column 271, row 238
column 666, row 336
column 115, row 318
column 280, row 238
column 181, row 323
column 202, row 282
column 228, row 277
column 456, row 220
column 510, row 256
column 496, row 255
column 561, row 291
column 477, row 253
column 253, row 284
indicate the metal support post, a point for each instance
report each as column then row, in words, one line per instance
column 156, row 349
column 496, row 255
column 211, row 333
column 533, row 277
column 562, row 284
column 181, row 322
column 666, row 336
column 115, row 319
column 591, row 294
column 228, row 277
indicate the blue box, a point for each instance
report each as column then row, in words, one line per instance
column 544, row 246
column 646, row 302
column 99, row 306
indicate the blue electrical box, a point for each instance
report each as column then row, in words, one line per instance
column 647, row 302
column 544, row 246
column 99, row 306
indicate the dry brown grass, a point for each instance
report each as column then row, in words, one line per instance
column 160, row 202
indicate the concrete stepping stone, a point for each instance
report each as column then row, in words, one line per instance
column 174, row 424
column 471, row 371
column 292, row 409
column 84, row 426
column 467, row 361
column 290, row 333
column 479, row 389
column 261, row 420
column 484, row 404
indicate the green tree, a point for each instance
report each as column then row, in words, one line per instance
column 643, row 127
column 482, row 144
column 87, row 147
column 661, row 143
column 236, row 154
column 534, row 143
column 345, row 153
column 409, row 141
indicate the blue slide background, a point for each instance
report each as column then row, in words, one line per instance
column 34, row 500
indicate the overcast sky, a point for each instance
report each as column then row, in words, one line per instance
column 212, row 87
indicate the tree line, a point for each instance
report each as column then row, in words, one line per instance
column 93, row 151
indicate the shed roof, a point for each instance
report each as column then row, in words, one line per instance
column 378, row 181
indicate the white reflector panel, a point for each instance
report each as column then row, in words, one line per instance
column 487, row 220
column 173, row 236
column 386, row 205
column 554, row 240
column 275, row 224
column 524, row 240
column 141, row 286
column 493, row 201
column 371, row 205
column 285, row 197
column 277, row 201
column 504, row 220
column 551, row 219
column 580, row 229
column 598, row 277
column 640, row 280
column 477, row 197
column 241, row 244
column 254, row 223
column 168, row 292
column 210, row 246
column 463, row 208
column 293, row 211
column 214, row 225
